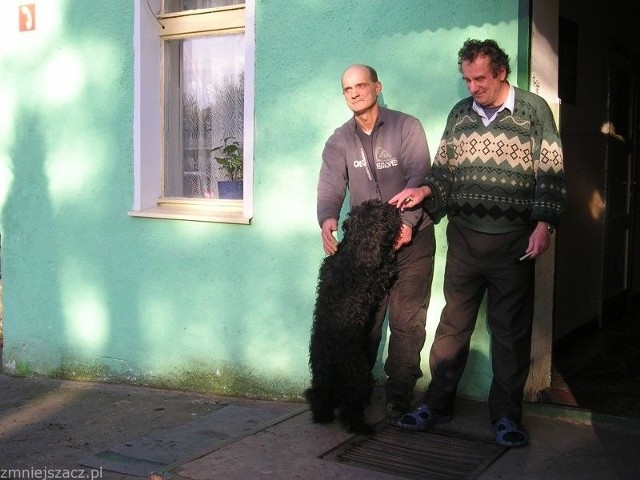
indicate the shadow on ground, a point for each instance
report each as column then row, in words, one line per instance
column 598, row 369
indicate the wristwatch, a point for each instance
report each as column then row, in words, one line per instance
column 550, row 228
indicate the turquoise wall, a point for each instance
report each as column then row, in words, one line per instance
column 92, row 293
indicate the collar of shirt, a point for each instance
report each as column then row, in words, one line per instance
column 509, row 104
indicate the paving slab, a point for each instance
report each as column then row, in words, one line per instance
column 48, row 423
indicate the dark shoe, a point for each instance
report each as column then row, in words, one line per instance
column 398, row 399
column 397, row 408
column 422, row 418
column 361, row 428
column 509, row 433
column 398, row 402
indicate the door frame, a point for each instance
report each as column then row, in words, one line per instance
column 543, row 80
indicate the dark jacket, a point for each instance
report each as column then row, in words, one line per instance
column 401, row 161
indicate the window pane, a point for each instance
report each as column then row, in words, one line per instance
column 171, row 6
column 204, row 105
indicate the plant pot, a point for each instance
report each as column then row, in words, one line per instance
column 230, row 190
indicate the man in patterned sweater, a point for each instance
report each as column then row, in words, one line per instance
column 498, row 176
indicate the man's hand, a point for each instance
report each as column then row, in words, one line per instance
column 410, row 197
column 329, row 242
column 538, row 241
column 404, row 237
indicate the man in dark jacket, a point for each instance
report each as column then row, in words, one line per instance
column 376, row 154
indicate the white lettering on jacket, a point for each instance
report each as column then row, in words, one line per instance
column 384, row 159
column 386, row 164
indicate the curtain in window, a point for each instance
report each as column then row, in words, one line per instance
column 213, row 108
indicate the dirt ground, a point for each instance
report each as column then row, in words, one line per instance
column 51, row 424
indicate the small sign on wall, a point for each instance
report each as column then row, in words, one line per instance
column 27, row 17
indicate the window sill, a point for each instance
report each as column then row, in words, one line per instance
column 222, row 212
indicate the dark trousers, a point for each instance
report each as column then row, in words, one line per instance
column 407, row 305
column 479, row 263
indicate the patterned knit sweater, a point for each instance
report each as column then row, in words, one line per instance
column 501, row 177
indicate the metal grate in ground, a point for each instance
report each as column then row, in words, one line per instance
column 438, row 454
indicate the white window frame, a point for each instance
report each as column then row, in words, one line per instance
column 147, row 128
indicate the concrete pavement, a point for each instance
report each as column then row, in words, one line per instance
column 565, row 444
column 80, row 419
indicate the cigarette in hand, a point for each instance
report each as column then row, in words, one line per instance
column 524, row 257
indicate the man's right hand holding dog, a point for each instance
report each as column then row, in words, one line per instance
column 329, row 242
column 404, row 237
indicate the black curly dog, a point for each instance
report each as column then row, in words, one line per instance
column 351, row 285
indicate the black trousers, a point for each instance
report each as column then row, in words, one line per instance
column 407, row 305
column 479, row 263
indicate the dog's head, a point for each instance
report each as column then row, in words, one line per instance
column 370, row 230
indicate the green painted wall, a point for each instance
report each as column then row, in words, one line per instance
column 90, row 292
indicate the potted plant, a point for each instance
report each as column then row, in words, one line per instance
column 230, row 159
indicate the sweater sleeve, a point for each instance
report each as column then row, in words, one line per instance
column 550, row 195
column 440, row 178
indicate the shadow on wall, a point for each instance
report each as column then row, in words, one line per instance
column 28, row 215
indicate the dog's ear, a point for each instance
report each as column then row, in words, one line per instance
column 366, row 238
column 368, row 251
column 355, row 221
column 371, row 229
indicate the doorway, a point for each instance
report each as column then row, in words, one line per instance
column 621, row 253
column 597, row 366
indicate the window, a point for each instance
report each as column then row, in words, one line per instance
column 193, row 120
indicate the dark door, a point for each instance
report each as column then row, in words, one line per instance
column 622, row 251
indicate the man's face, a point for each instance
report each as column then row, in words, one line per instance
column 360, row 92
column 487, row 89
